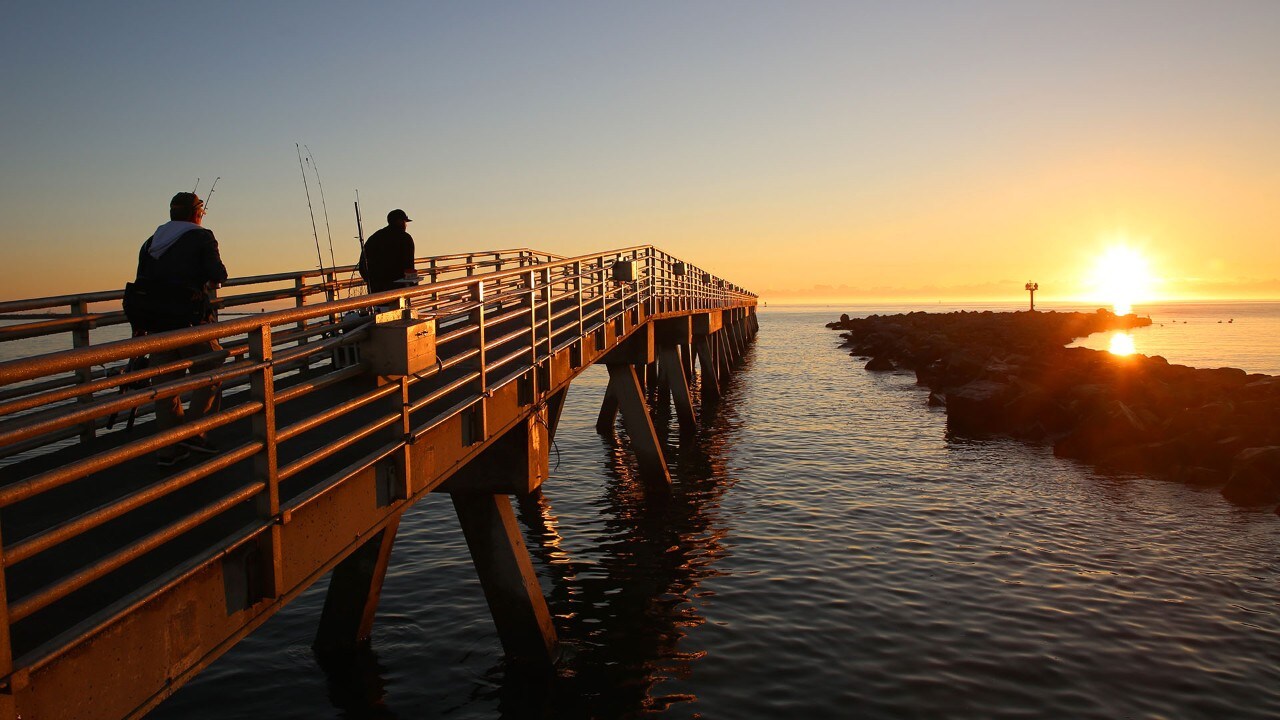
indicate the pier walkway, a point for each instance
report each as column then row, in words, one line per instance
column 338, row 411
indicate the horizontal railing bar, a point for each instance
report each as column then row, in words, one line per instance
column 36, row 544
column 53, row 593
column 517, row 354
column 291, row 431
column 112, row 381
column 126, row 401
column 461, row 332
column 29, row 488
column 460, row 358
column 337, row 446
column 64, row 323
column 440, row 392
column 329, row 379
column 521, row 333
column 321, row 346
column 436, row 420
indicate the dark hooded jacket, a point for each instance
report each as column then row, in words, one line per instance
column 174, row 265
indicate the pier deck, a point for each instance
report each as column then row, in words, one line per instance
column 122, row 579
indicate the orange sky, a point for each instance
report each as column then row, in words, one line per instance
column 847, row 151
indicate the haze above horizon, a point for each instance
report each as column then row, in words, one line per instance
column 806, row 151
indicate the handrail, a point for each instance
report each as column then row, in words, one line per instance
column 64, row 361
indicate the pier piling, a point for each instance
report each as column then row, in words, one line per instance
column 507, row 577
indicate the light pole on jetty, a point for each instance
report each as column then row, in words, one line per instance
column 1032, row 288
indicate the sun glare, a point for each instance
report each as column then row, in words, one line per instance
column 1121, row 344
column 1121, row 277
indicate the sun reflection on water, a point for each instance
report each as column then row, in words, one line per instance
column 1121, row 344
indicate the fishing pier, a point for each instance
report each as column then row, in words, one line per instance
column 339, row 410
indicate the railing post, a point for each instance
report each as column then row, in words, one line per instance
column 545, row 291
column 431, row 270
column 266, row 462
column 7, row 691
column 531, row 280
column 330, row 292
column 300, row 300
column 606, row 289
column 80, row 339
column 579, row 359
column 480, row 427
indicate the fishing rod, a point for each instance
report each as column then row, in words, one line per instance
column 315, row 233
column 316, row 168
column 359, row 223
column 359, row 236
column 209, row 198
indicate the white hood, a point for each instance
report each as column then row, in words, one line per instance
column 167, row 234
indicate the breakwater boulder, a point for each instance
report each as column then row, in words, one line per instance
column 1009, row 374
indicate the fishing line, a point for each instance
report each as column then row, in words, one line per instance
column 315, row 233
column 316, row 168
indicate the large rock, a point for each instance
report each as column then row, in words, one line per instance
column 1255, row 477
column 977, row 407
column 880, row 362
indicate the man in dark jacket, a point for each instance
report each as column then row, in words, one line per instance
column 181, row 262
column 388, row 254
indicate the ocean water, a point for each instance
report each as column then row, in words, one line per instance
column 827, row 551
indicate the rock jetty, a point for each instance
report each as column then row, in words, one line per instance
column 1009, row 374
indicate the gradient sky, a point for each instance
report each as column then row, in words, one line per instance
column 805, row 150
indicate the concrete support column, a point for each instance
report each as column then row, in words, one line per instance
column 635, row 419
column 506, row 575
column 354, row 589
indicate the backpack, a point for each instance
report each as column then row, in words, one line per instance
column 155, row 305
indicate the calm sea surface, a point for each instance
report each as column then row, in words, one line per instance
column 827, row 552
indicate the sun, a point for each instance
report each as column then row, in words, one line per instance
column 1121, row 276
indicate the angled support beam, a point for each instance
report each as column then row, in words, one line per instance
column 672, row 368
column 710, row 375
column 724, row 361
column 354, row 589
column 635, row 419
column 735, row 336
column 506, row 575
column 555, row 406
column 608, row 412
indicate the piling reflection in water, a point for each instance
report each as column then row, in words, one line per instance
column 623, row 608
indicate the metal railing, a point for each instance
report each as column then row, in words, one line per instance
column 290, row 380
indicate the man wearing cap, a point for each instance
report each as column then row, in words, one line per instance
column 178, row 267
column 388, row 254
